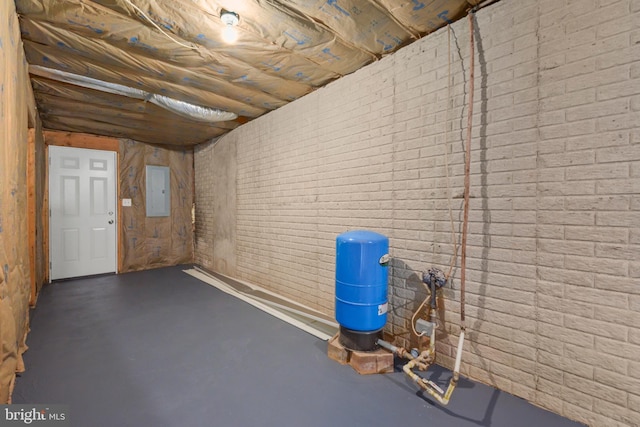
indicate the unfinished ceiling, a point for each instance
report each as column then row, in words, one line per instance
column 110, row 67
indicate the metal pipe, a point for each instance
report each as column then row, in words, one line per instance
column 432, row 342
column 387, row 345
column 467, row 169
column 433, row 293
column 401, row 352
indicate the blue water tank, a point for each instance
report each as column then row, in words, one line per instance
column 361, row 280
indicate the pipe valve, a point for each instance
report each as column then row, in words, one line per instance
column 435, row 276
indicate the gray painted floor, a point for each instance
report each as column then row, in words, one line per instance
column 161, row 348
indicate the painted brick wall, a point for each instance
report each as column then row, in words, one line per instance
column 215, row 243
column 588, row 217
column 553, row 289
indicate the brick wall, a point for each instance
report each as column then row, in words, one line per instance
column 588, row 215
column 553, row 289
column 215, row 243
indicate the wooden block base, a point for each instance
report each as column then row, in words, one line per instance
column 378, row 361
column 336, row 351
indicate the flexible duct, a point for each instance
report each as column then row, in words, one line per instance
column 185, row 109
column 87, row 82
column 191, row 111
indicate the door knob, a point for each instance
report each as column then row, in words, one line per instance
column 110, row 221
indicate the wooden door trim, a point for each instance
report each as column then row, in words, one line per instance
column 81, row 140
column 92, row 142
column 31, row 212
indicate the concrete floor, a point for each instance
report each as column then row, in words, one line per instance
column 161, row 348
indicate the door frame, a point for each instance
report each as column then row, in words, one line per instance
column 31, row 213
column 91, row 142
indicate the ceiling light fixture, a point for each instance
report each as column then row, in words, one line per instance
column 230, row 20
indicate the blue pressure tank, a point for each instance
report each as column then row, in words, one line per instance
column 361, row 287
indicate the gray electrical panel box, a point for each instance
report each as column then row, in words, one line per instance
column 158, row 191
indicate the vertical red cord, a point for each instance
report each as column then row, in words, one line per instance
column 467, row 169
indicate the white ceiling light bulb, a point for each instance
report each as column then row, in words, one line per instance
column 229, row 34
column 230, row 19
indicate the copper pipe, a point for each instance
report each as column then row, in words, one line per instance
column 467, row 169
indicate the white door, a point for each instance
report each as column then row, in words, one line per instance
column 82, row 199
